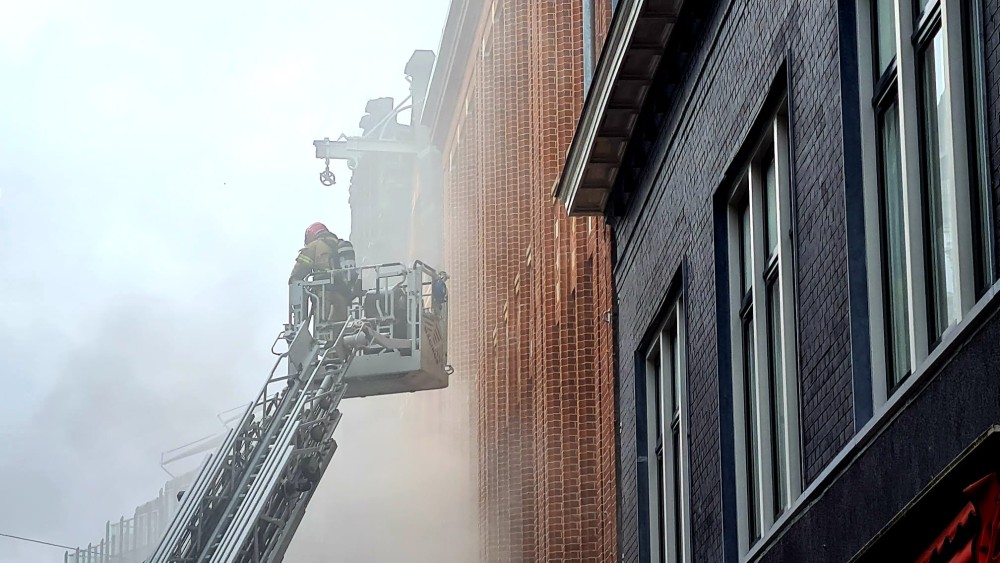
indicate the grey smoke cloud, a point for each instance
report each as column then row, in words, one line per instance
column 156, row 173
column 402, row 494
column 93, row 443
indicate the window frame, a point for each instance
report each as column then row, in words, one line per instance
column 974, row 245
column 669, row 488
column 759, row 489
column 976, row 121
column 888, row 335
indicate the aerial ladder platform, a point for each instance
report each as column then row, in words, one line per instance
column 250, row 495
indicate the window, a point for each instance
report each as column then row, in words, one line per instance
column 979, row 176
column 893, row 264
column 925, row 134
column 765, row 382
column 666, row 414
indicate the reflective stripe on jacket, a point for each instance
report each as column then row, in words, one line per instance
column 317, row 256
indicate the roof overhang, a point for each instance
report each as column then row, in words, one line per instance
column 640, row 30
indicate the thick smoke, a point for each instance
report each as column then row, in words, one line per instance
column 144, row 377
column 149, row 216
column 151, row 373
column 388, row 499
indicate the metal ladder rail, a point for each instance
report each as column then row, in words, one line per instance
column 260, row 453
column 184, row 531
column 283, row 537
column 278, row 432
column 271, row 471
column 205, row 512
column 236, row 495
column 273, row 531
column 196, row 507
column 193, row 497
column 269, row 478
column 255, row 520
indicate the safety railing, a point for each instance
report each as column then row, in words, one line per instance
column 130, row 540
column 391, row 297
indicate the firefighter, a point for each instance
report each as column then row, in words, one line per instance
column 321, row 254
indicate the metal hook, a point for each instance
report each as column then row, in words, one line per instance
column 326, row 177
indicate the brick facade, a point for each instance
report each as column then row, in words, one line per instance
column 530, row 289
column 722, row 63
column 733, row 60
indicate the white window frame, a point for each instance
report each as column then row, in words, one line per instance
column 676, row 498
column 750, row 191
column 907, row 84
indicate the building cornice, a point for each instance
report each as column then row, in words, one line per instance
column 640, row 30
column 461, row 35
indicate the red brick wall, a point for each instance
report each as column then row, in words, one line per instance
column 529, row 294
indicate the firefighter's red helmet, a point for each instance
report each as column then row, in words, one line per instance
column 314, row 231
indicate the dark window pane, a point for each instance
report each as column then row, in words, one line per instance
column 660, row 495
column 920, row 7
column 940, row 190
column 750, row 423
column 771, row 201
column 661, row 503
column 678, row 501
column 745, row 248
column 979, row 165
column 779, row 426
column 895, row 270
column 657, row 399
column 675, row 374
column 885, row 34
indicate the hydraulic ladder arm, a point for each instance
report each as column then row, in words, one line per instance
column 249, row 497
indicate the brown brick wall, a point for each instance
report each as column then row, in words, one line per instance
column 529, row 293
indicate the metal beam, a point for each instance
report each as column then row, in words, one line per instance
column 353, row 148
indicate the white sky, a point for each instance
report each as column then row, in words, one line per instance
column 156, row 174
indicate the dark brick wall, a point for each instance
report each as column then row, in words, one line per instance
column 954, row 408
column 821, row 285
column 991, row 34
column 669, row 220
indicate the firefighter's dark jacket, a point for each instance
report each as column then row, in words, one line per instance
column 317, row 256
